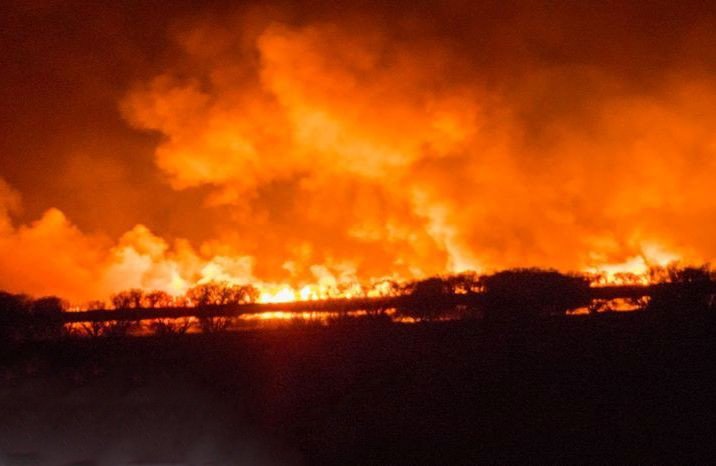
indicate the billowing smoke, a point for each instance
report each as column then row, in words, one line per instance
column 355, row 144
column 52, row 257
column 376, row 143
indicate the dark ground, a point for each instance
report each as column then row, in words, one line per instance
column 613, row 388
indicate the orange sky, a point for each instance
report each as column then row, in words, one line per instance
column 152, row 146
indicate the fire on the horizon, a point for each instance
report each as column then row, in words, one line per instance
column 329, row 151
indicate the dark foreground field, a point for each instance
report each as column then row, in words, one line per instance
column 616, row 388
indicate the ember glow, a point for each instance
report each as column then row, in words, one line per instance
column 313, row 151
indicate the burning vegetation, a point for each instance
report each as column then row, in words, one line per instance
column 511, row 295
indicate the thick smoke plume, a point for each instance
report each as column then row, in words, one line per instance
column 377, row 143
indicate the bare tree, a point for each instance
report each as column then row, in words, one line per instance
column 129, row 299
column 112, row 328
column 170, row 327
column 157, row 299
column 214, row 324
column 218, row 293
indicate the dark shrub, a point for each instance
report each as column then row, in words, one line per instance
column 214, row 324
column 170, row 327
column 429, row 298
column 111, row 328
column 21, row 317
column 46, row 315
column 529, row 293
column 682, row 289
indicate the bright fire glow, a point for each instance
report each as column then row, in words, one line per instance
column 313, row 154
column 283, row 295
column 634, row 270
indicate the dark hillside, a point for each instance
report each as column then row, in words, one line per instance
column 622, row 387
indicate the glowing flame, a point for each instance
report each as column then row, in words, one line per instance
column 634, row 270
column 283, row 295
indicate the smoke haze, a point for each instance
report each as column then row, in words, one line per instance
column 313, row 142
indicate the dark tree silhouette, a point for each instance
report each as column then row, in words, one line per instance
column 682, row 289
column 129, row 299
column 214, row 294
column 214, row 324
column 94, row 329
column 442, row 286
column 529, row 293
column 429, row 298
column 46, row 317
column 157, row 299
column 112, row 328
column 21, row 317
column 170, row 327
column 221, row 293
column 431, row 288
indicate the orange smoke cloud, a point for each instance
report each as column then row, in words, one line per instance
column 52, row 257
column 346, row 151
column 379, row 141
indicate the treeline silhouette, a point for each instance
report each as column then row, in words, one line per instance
column 530, row 293
column 22, row 317
column 511, row 295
